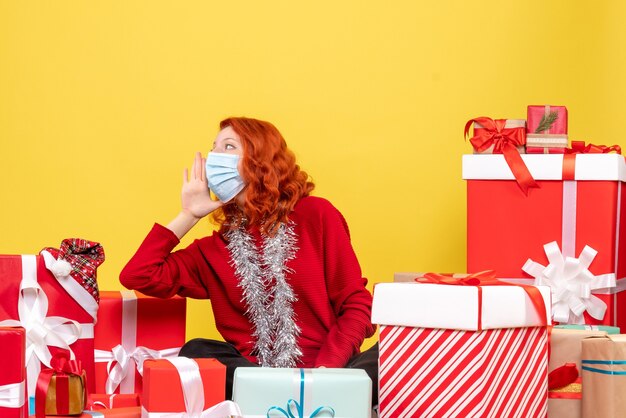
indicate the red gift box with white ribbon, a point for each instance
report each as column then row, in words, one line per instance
column 181, row 387
column 569, row 233
column 12, row 373
column 462, row 350
column 55, row 310
column 133, row 328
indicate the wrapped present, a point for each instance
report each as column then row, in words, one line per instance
column 61, row 389
column 138, row 327
column 506, row 137
column 54, row 297
column 566, row 401
column 127, row 412
column 568, row 234
column 185, row 386
column 546, row 130
column 582, row 327
column 566, row 348
column 461, row 347
column 604, row 376
column 282, row 392
column 546, row 121
column 510, row 128
column 12, row 373
column 98, row 401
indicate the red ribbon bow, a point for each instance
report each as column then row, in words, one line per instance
column 487, row 278
column 473, row 279
column 505, row 141
column 62, row 367
column 579, row 147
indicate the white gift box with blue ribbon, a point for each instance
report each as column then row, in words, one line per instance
column 302, row 393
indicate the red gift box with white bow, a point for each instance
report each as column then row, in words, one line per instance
column 133, row 328
column 569, row 233
column 57, row 312
column 185, row 387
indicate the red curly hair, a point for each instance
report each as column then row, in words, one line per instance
column 274, row 182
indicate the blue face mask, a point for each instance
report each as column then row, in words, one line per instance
column 223, row 176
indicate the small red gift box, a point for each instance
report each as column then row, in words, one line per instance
column 511, row 130
column 164, row 392
column 461, row 350
column 61, row 389
column 12, row 373
column 127, row 412
column 506, row 137
column 547, row 130
column 98, row 401
column 137, row 327
column 570, row 233
column 54, row 306
column 547, row 120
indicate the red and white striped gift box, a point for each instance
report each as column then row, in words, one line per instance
column 460, row 351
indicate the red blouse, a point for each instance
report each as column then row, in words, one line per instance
column 333, row 305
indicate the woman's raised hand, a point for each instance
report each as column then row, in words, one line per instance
column 195, row 195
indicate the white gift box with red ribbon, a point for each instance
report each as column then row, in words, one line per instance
column 569, row 233
column 461, row 350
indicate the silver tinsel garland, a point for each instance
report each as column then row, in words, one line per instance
column 267, row 294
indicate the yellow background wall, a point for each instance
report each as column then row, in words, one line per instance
column 102, row 104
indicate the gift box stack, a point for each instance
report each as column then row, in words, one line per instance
column 541, row 215
column 70, row 348
column 551, row 219
column 461, row 345
column 540, row 212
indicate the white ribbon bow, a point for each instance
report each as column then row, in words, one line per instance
column 121, row 364
column 571, row 284
column 41, row 331
column 12, row 395
column 193, row 394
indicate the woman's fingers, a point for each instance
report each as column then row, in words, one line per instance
column 197, row 167
column 198, row 170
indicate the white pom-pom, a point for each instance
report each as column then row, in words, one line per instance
column 61, row 269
